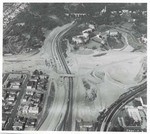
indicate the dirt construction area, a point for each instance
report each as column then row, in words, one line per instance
column 107, row 77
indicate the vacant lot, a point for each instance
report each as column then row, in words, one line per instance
column 92, row 45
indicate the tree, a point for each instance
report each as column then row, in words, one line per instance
column 94, row 47
column 41, row 73
column 76, row 47
column 119, row 35
column 36, row 72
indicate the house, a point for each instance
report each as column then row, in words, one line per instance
column 99, row 39
column 18, row 126
column 31, row 122
column 125, row 11
column 43, row 77
column 84, row 126
column 34, row 78
column 20, row 24
column 30, row 93
column 112, row 33
column 33, row 110
column 91, row 26
column 85, row 35
column 30, row 85
column 36, row 104
column 25, row 109
column 11, row 98
column 13, row 93
column 24, row 100
column 89, row 30
column 15, row 85
column 35, row 99
column 77, row 40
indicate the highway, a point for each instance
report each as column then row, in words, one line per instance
column 67, row 122
column 122, row 101
column 60, row 114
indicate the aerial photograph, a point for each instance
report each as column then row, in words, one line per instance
column 74, row 67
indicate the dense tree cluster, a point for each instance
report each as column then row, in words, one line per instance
column 44, row 15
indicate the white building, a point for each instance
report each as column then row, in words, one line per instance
column 125, row 11
column 143, row 103
column 85, row 35
column 34, row 110
column 25, row 109
column 89, row 30
column 91, row 26
column 11, row 98
column 134, row 113
column 29, row 93
column 77, row 40
column 15, row 85
column 112, row 33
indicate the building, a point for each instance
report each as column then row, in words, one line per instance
column 85, row 126
column 30, row 85
column 143, row 39
column 30, row 122
column 43, row 77
column 33, row 110
column 85, row 35
column 30, row 93
column 15, row 85
column 25, row 109
column 77, row 40
column 134, row 114
column 99, row 38
column 136, row 128
column 11, row 98
column 91, row 26
column 112, row 33
column 125, row 11
column 143, row 101
column 24, row 100
column 87, row 31
column 18, row 126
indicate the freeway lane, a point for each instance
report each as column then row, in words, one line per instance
column 67, row 122
column 57, row 112
column 119, row 104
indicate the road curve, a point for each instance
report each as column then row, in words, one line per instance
column 112, row 110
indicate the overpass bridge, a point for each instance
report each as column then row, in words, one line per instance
column 67, row 75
